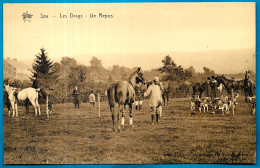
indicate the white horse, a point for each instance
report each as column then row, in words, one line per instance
column 30, row 93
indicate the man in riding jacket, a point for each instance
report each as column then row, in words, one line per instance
column 155, row 99
column 214, row 85
column 76, row 96
column 208, row 87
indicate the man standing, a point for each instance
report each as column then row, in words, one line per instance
column 138, row 96
column 155, row 99
column 208, row 87
column 92, row 99
column 76, row 96
column 214, row 85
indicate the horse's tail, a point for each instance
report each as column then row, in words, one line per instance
column 131, row 94
column 111, row 94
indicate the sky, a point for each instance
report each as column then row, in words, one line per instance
column 137, row 34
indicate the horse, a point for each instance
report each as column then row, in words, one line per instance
column 239, row 85
column 28, row 93
column 229, row 84
column 198, row 88
column 123, row 93
column 165, row 91
column 7, row 102
column 249, row 87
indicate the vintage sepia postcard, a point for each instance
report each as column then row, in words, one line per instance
column 129, row 83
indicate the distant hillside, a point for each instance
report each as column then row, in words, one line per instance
column 22, row 69
column 222, row 62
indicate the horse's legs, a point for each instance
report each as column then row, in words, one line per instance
column 35, row 106
column 118, row 117
column 163, row 96
column 167, row 97
column 27, row 105
column 8, row 104
column 130, row 115
column 16, row 110
column 123, row 117
column 113, row 116
column 13, row 106
column 140, row 104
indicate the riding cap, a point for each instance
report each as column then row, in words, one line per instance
column 156, row 79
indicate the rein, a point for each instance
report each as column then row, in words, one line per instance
column 131, row 83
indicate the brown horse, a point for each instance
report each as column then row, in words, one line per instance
column 228, row 83
column 198, row 88
column 165, row 92
column 123, row 93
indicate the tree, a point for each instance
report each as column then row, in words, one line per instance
column 42, row 70
column 68, row 62
column 95, row 63
column 42, row 64
column 172, row 71
column 208, row 72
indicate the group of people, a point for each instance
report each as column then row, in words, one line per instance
column 211, row 86
column 92, row 97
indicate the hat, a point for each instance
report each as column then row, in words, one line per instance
column 208, row 78
column 156, row 79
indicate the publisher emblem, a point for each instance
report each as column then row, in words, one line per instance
column 27, row 17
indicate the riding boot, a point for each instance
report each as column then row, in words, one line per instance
column 75, row 105
column 136, row 107
column 157, row 118
column 140, row 107
column 152, row 117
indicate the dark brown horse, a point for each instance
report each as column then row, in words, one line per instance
column 198, row 88
column 165, row 91
column 123, row 93
column 248, row 86
column 228, row 83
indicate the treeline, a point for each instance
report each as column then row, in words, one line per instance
column 60, row 78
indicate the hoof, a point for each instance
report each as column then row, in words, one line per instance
column 132, row 126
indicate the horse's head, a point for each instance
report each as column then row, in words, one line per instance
column 149, row 83
column 8, row 88
column 137, row 77
column 220, row 78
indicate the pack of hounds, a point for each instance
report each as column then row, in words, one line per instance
column 221, row 103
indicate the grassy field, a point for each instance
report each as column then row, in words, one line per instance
column 77, row 136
